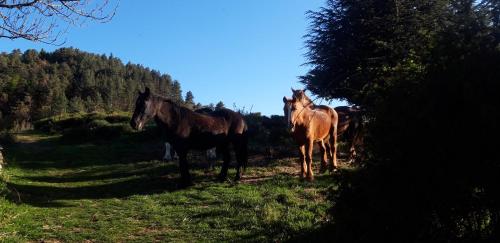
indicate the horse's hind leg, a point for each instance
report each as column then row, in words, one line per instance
column 324, row 157
column 352, row 153
column 241, row 158
column 225, row 165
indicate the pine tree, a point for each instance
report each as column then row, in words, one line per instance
column 76, row 105
column 219, row 105
column 189, row 100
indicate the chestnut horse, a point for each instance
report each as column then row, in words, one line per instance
column 186, row 130
column 309, row 126
column 349, row 121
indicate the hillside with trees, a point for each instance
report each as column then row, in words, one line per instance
column 40, row 84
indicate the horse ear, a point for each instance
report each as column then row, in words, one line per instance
column 304, row 90
column 293, row 91
column 285, row 99
column 147, row 92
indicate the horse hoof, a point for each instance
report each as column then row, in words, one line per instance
column 322, row 170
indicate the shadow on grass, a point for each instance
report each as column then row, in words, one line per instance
column 146, row 182
column 47, row 171
column 51, row 153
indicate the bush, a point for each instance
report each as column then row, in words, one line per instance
column 96, row 131
column 7, row 138
column 86, row 127
column 269, row 133
column 117, row 118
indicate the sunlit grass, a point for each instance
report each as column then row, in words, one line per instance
column 116, row 191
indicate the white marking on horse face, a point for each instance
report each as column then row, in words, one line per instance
column 167, row 156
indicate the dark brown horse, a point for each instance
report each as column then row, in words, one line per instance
column 186, row 130
column 307, row 127
column 349, row 122
column 351, row 128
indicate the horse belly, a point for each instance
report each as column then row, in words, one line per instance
column 321, row 132
column 206, row 140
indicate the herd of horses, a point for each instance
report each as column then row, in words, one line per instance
column 223, row 128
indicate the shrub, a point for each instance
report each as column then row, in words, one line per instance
column 117, row 118
column 7, row 138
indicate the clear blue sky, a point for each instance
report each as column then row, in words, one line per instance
column 247, row 52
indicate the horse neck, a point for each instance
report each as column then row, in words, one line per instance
column 165, row 113
column 306, row 101
column 304, row 115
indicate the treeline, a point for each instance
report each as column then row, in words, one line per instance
column 40, row 84
column 427, row 73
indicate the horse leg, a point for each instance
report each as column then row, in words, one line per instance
column 309, row 151
column 324, row 158
column 352, row 153
column 329, row 150
column 184, row 168
column 225, row 165
column 241, row 155
column 302, row 161
column 333, row 147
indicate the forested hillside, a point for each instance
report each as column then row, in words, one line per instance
column 35, row 85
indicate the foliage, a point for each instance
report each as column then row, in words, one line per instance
column 36, row 85
column 189, row 100
column 427, row 74
column 7, row 138
column 83, row 128
column 40, row 20
column 268, row 133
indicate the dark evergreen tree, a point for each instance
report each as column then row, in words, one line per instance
column 219, row 105
column 189, row 100
column 426, row 73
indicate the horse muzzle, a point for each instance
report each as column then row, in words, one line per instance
column 136, row 125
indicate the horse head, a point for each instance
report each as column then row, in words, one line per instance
column 300, row 95
column 292, row 109
column 144, row 110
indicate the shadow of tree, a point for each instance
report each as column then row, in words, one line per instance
column 115, row 169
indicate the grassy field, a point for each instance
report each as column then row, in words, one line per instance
column 118, row 191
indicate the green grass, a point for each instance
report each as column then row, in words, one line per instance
column 118, row 192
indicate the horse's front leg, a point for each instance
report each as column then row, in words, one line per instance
column 309, row 152
column 184, row 168
column 302, row 161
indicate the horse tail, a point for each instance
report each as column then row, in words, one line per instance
column 335, row 119
column 244, row 148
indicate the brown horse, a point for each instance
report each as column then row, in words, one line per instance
column 351, row 128
column 186, row 130
column 349, row 121
column 308, row 126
